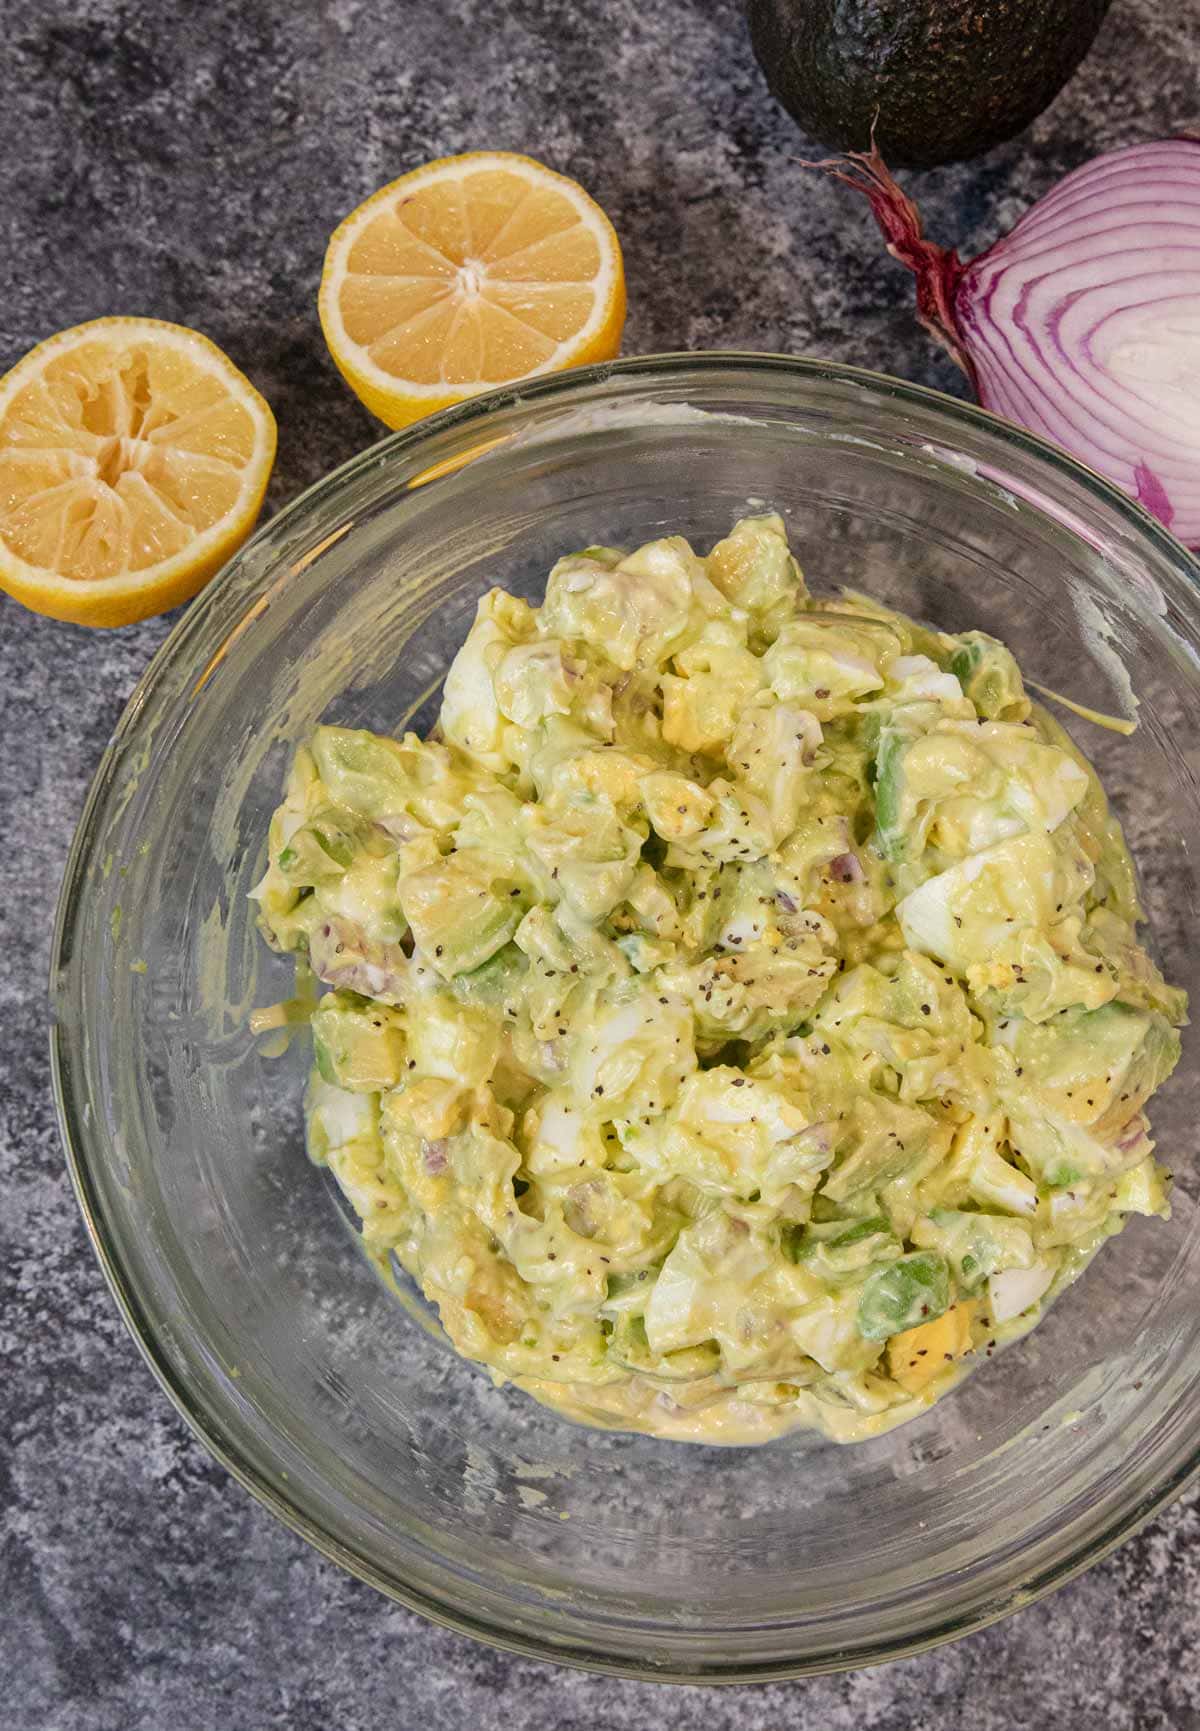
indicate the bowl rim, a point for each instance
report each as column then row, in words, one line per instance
column 645, row 369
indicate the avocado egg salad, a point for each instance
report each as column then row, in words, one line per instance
column 732, row 1017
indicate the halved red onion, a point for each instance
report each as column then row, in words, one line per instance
column 1083, row 322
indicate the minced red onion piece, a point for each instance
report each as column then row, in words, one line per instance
column 1131, row 1134
column 1083, row 322
column 434, row 1155
column 846, row 868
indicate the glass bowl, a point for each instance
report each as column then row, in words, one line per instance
column 338, row 1403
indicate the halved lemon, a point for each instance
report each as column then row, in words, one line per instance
column 465, row 274
column 133, row 461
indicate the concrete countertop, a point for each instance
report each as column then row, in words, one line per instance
column 189, row 162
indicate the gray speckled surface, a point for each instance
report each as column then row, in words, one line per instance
column 189, row 162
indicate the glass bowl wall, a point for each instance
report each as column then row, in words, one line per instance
column 337, row 1403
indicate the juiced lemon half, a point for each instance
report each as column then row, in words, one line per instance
column 133, row 461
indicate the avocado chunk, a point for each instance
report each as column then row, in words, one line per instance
column 904, row 1294
column 840, row 1251
column 936, row 80
column 358, row 1045
column 990, row 677
column 461, row 910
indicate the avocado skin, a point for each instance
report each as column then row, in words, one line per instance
column 948, row 79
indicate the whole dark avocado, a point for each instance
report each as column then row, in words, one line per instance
column 940, row 80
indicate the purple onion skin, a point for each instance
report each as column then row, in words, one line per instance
column 1083, row 322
